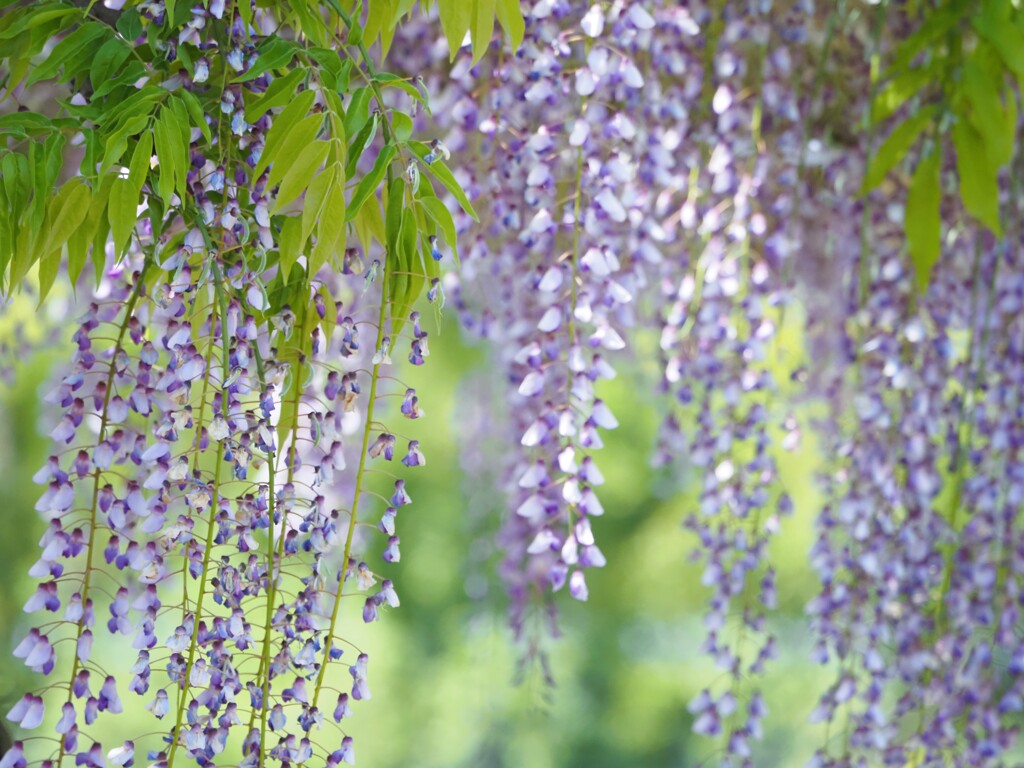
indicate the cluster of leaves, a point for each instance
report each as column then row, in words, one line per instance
column 58, row 201
column 956, row 80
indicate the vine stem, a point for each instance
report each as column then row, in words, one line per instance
column 214, row 502
column 119, row 345
column 272, row 556
column 374, row 378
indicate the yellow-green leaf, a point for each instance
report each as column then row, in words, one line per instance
column 456, row 18
column 483, row 27
column 442, row 217
column 278, row 93
column 979, row 183
column 331, row 226
column 896, row 146
column 922, row 216
column 371, row 181
column 510, row 16
column 299, row 172
column 314, row 203
column 289, row 244
column 282, row 125
column 65, row 213
column 896, row 92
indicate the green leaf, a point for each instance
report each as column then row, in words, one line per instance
column 195, row 109
column 289, row 243
column 316, row 197
column 273, row 53
column 330, row 318
column 981, row 79
column 336, row 114
column 369, row 225
column 358, row 111
column 979, row 183
column 331, row 226
column 388, row 80
column 76, row 47
column 334, row 72
column 117, row 142
column 456, row 18
column 896, row 146
column 442, row 217
column 393, row 216
column 25, row 123
column 302, row 134
column 181, row 122
column 936, row 23
column 15, row 175
column 401, row 126
column 167, row 137
column 483, row 27
column 896, row 92
column 408, row 273
column 510, row 16
column 371, row 181
column 129, row 74
column 922, row 216
column 65, row 212
column 283, row 123
column 142, row 158
column 311, row 22
column 129, row 24
column 299, row 172
column 1005, row 37
column 108, row 58
column 440, row 171
column 35, row 18
column 85, row 235
column 379, row 17
column 278, row 93
column 49, row 266
column 124, row 194
column 359, row 144
column 122, row 213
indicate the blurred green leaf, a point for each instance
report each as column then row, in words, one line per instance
column 896, row 92
column 979, row 183
column 482, row 27
column 992, row 23
column 896, row 146
column 922, row 217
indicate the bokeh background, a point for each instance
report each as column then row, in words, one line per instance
column 443, row 669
